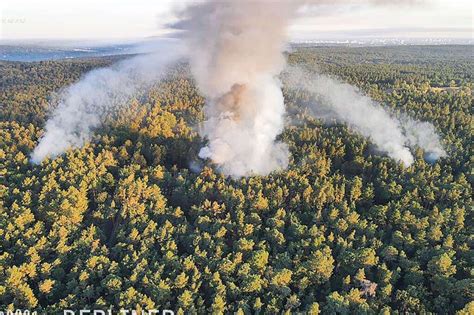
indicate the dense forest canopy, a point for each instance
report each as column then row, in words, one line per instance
column 135, row 219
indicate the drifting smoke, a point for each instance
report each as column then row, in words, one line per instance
column 235, row 50
column 83, row 105
column 344, row 102
column 236, row 54
column 423, row 135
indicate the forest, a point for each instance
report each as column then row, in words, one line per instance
column 135, row 220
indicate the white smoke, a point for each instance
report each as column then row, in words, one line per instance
column 236, row 54
column 83, row 105
column 235, row 50
column 345, row 103
column 423, row 135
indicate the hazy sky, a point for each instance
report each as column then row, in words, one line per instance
column 130, row 19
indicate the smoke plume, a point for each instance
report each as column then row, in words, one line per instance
column 236, row 54
column 235, row 49
column 423, row 135
column 83, row 105
column 345, row 103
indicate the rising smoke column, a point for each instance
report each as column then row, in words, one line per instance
column 337, row 100
column 235, row 50
column 84, row 104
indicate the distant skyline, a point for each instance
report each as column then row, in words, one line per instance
column 137, row 19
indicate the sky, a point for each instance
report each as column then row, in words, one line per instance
column 137, row 19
